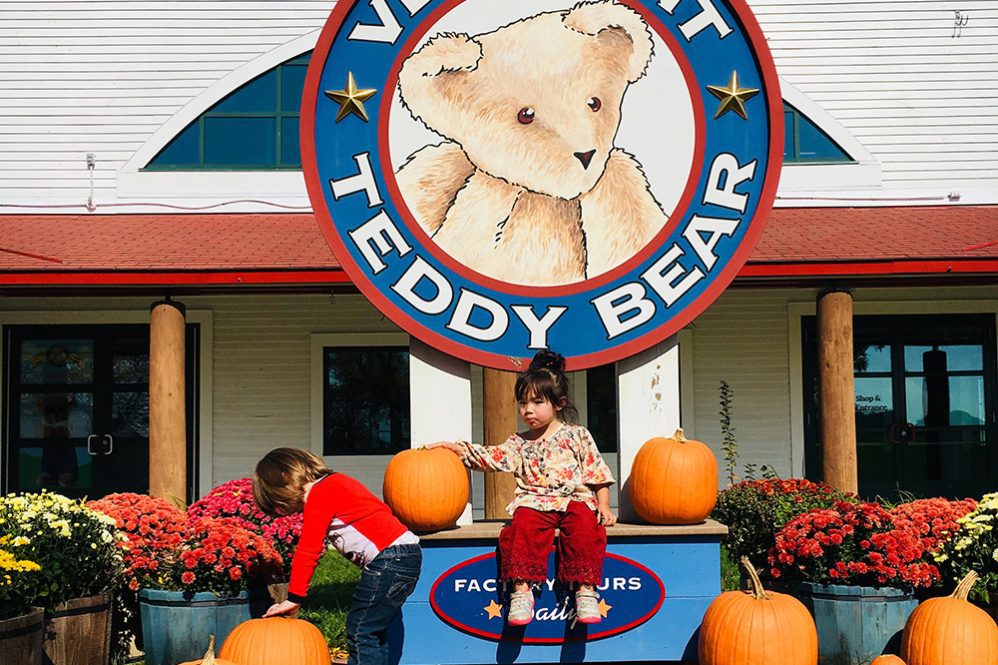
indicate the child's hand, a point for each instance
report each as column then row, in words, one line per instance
column 287, row 608
column 452, row 446
column 605, row 516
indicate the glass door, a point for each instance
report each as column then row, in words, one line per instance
column 77, row 405
column 924, row 405
column 943, row 440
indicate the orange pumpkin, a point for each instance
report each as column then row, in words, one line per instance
column 887, row 659
column 673, row 481
column 426, row 488
column 209, row 656
column 950, row 631
column 757, row 627
column 276, row 641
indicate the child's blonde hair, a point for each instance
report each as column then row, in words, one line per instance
column 280, row 479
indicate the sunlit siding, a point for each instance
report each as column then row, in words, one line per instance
column 79, row 76
column 913, row 86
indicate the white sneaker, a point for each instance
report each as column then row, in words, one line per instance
column 586, row 607
column 521, row 608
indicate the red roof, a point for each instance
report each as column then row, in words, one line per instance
column 877, row 241
column 283, row 248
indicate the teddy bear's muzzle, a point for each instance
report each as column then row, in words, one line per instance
column 585, row 157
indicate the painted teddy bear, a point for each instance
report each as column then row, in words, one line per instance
column 529, row 188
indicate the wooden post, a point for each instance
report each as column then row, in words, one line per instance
column 838, row 398
column 499, row 421
column 167, row 403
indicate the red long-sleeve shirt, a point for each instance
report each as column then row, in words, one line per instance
column 356, row 523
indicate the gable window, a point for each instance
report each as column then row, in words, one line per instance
column 804, row 142
column 254, row 128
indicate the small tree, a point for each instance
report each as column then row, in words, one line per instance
column 728, row 443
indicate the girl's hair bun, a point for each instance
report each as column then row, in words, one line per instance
column 548, row 359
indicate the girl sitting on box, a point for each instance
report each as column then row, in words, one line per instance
column 561, row 482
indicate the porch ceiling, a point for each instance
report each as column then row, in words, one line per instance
column 274, row 249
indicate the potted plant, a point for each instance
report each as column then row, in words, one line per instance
column 213, row 580
column 755, row 510
column 856, row 567
column 150, row 526
column 234, row 500
column 20, row 624
column 974, row 547
column 80, row 563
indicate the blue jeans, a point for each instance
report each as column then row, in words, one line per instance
column 384, row 585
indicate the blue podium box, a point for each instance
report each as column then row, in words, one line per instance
column 657, row 584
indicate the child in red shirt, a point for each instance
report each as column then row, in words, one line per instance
column 339, row 512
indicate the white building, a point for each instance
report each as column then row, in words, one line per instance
column 150, row 149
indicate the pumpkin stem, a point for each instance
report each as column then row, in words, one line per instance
column 962, row 590
column 758, row 591
column 209, row 656
column 680, row 436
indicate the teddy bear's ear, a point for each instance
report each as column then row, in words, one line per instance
column 435, row 74
column 604, row 18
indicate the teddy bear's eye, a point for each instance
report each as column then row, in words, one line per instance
column 594, row 103
column 525, row 116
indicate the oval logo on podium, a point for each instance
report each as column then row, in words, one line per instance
column 501, row 177
column 468, row 598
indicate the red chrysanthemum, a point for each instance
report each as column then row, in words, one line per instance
column 864, row 544
column 234, row 500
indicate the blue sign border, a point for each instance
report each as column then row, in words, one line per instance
column 330, row 151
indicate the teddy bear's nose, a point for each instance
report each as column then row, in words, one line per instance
column 585, row 158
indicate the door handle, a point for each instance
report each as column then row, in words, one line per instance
column 902, row 433
column 109, row 440
column 90, row 444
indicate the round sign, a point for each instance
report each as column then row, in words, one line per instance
column 502, row 177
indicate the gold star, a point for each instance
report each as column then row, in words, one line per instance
column 733, row 97
column 351, row 99
column 494, row 609
column 604, row 608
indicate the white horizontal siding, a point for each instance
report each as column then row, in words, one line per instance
column 78, row 76
column 892, row 72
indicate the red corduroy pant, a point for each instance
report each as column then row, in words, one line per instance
column 524, row 545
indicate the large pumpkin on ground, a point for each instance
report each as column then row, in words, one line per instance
column 757, row 627
column 276, row 641
column 673, row 481
column 209, row 656
column 950, row 631
column 426, row 488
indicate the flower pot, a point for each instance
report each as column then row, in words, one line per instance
column 21, row 638
column 78, row 632
column 176, row 625
column 856, row 623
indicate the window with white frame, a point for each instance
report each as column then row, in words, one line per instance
column 362, row 394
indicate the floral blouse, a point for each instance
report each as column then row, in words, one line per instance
column 550, row 472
